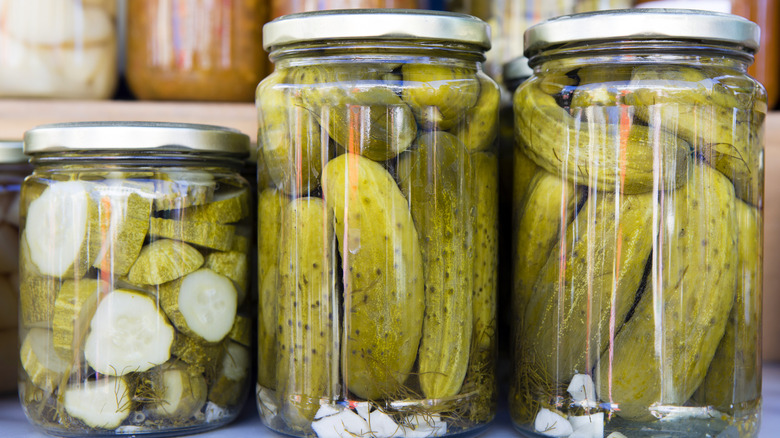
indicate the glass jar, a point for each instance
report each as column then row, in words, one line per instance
column 638, row 260
column 58, row 48
column 13, row 169
column 377, row 239
column 286, row 7
column 195, row 50
column 133, row 267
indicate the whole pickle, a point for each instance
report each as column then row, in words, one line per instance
column 543, row 215
column 439, row 95
column 270, row 203
column 289, row 138
column 383, row 281
column 307, row 354
column 606, row 249
column 601, row 86
column 720, row 122
column 734, row 377
column 360, row 112
column 662, row 353
column 597, row 155
column 479, row 128
column 436, row 176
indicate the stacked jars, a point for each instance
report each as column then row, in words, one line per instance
column 377, row 233
column 134, row 271
column 639, row 212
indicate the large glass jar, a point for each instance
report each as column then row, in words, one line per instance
column 133, row 267
column 377, row 238
column 58, row 48
column 638, row 257
column 196, row 49
column 13, row 169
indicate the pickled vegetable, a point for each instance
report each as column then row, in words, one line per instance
column 370, row 120
column 383, row 290
column 545, row 129
column 637, row 378
column 230, row 384
column 448, row 93
column 307, row 339
column 103, row 258
column 480, row 127
column 442, row 218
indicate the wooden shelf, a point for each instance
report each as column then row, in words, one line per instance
column 17, row 116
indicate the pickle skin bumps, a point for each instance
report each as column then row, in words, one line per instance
column 384, row 285
column 643, row 370
column 443, row 218
column 547, row 132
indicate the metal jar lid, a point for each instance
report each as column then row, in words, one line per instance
column 11, row 152
column 643, row 24
column 376, row 24
column 136, row 136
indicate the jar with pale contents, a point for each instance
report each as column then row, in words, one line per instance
column 134, row 270
column 638, row 227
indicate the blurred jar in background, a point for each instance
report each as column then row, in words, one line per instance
column 284, row 7
column 509, row 19
column 58, row 48
column 13, row 169
column 765, row 13
column 196, row 49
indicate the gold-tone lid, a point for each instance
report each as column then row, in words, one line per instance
column 136, row 136
column 376, row 24
column 643, row 24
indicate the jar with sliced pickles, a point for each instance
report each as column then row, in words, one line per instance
column 638, row 227
column 378, row 225
column 133, row 272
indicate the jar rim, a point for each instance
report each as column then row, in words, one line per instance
column 11, row 152
column 136, row 136
column 643, row 24
column 376, row 24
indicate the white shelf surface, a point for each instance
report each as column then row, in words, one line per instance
column 13, row 423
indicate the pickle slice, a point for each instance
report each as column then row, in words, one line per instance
column 233, row 265
column 230, row 383
column 123, row 223
column 183, row 392
column 164, row 260
column 202, row 356
column 40, row 360
column 73, row 309
column 209, row 235
column 226, row 208
column 102, row 404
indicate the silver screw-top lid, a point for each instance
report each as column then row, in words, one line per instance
column 136, row 136
column 643, row 24
column 12, row 152
column 376, row 24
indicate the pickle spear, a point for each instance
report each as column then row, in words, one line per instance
column 383, row 281
column 734, row 377
column 435, row 177
column 662, row 353
column 307, row 362
column 596, row 155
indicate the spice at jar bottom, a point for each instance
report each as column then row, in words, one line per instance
column 638, row 263
column 378, row 227
column 134, row 271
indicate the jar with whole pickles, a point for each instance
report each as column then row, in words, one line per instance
column 13, row 169
column 133, row 268
column 377, row 232
column 58, row 48
column 195, row 50
column 638, row 227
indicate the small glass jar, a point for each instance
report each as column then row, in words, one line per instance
column 58, row 49
column 13, row 169
column 638, row 251
column 378, row 238
column 195, row 50
column 286, row 7
column 134, row 271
